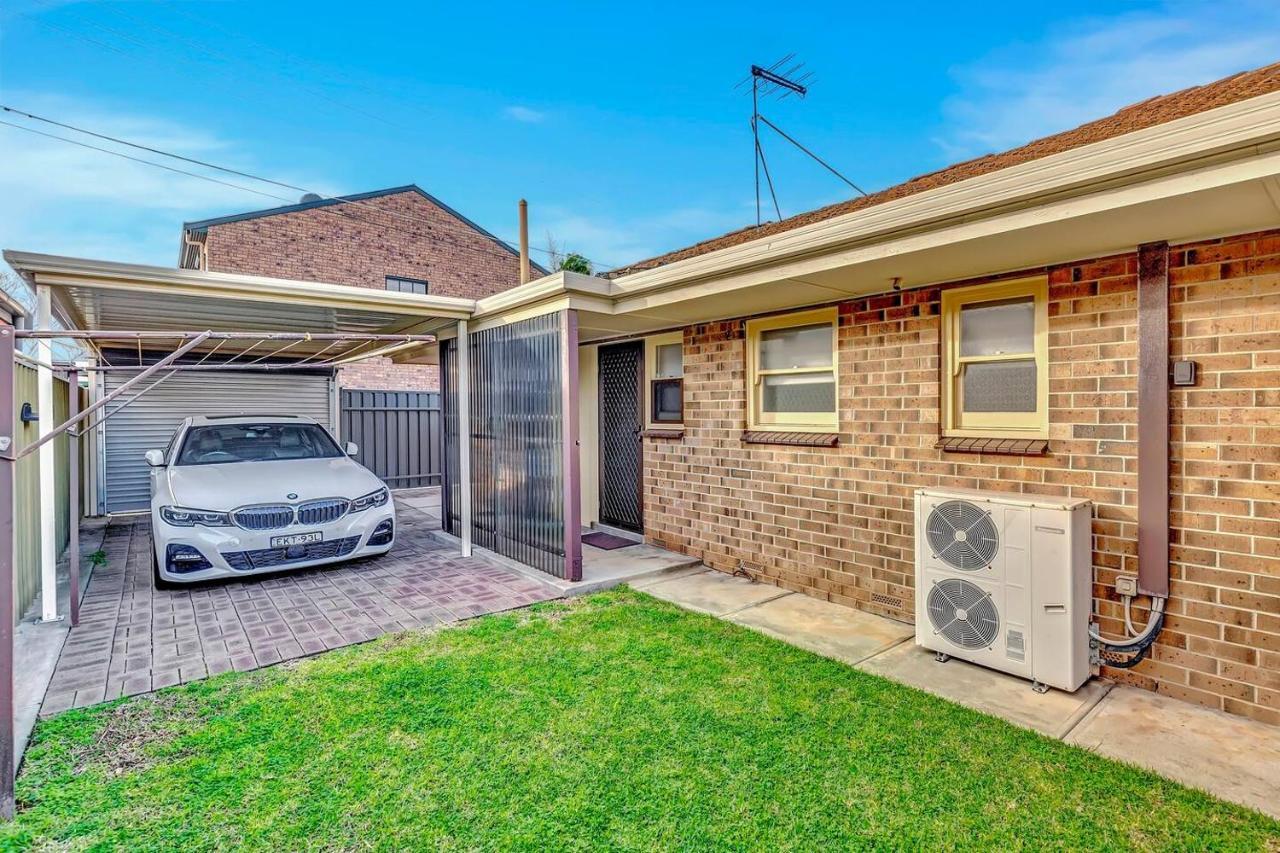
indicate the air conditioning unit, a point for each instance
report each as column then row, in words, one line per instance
column 1004, row 580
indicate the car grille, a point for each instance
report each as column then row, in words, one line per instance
column 265, row 558
column 263, row 516
column 323, row 511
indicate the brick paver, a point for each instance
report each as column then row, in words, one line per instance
column 133, row 638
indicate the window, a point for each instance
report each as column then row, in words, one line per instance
column 995, row 378
column 407, row 285
column 266, row 442
column 664, row 365
column 792, row 372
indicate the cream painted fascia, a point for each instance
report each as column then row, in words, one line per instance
column 1231, row 145
column 1258, row 168
column 110, row 275
column 1238, row 128
column 546, row 288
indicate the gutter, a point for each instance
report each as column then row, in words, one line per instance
column 78, row 272
column 1226, row 133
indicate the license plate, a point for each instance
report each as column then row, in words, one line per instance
column 295, row 539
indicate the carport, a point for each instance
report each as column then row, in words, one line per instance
column 140, row 327
column 510, row 394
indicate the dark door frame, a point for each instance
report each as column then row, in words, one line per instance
column 639, row 428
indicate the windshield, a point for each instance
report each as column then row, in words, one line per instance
column 211, row 445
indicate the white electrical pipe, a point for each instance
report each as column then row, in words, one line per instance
column 1157, row 609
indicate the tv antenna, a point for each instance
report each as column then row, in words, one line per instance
column 781, row 80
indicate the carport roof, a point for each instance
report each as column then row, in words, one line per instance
column 105, row 296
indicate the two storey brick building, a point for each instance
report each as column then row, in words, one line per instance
column 401, row 238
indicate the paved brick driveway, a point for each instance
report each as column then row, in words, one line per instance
column 134, row 639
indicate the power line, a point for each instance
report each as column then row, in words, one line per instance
column 326, row 210
column 140, row 160
column 118, row 141
column 227, row 60
column 337, row 200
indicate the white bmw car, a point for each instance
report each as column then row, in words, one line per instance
column 244, row 495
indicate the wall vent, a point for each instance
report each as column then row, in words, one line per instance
column 886, row 600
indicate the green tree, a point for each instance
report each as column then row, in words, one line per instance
column 573, row 262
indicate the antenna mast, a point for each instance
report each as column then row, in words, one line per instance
column 778, row 80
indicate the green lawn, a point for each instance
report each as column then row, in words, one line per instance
column 614, row 721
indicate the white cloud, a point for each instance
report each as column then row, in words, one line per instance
column 525, row 114
column 1093, row 67
column 66, row 199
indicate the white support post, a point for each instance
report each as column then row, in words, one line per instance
column 48, row 474
column 464, row 435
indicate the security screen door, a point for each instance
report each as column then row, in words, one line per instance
column 621, row 371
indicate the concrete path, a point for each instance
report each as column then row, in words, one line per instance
column 1230, row 757
column 38, row 644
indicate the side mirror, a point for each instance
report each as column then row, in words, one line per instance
column 352, row 448
column 155, row 458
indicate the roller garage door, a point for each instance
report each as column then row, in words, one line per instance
column 149, row 422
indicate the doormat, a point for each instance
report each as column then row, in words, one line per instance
column 606, row 541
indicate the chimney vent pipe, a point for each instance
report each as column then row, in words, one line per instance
column 524, row 241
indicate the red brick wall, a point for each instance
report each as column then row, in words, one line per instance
column 837, row 523
column 400, row 235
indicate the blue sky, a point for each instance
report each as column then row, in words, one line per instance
column 620, row 123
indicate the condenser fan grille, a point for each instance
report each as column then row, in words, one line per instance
column 962, row 535
column 960, row 611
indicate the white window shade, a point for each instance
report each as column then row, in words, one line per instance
column 1005, row 327
column 669, row 360
column 795, row 347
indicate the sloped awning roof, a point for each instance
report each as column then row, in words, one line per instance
column 104, row 296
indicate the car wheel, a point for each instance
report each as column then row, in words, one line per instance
column 160, row 582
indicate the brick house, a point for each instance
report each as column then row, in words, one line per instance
column 400, row 238
column 1092, row 316
column 1088, row 264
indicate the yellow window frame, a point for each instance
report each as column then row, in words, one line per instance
column 651, row 345
column 789, row 421
column 955, row 422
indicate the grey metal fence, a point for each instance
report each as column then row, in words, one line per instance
column 398, row 433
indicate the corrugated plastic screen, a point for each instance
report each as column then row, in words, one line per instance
column 517, row 442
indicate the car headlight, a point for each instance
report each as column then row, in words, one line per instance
column 180, row 516
column 378, row 498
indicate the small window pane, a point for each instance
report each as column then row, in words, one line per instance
column 798, row 346
column 407, row 285
column 669, row 360
column 997, row 328
column 668, row 401
column 1000, row 386
column 791, row 393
